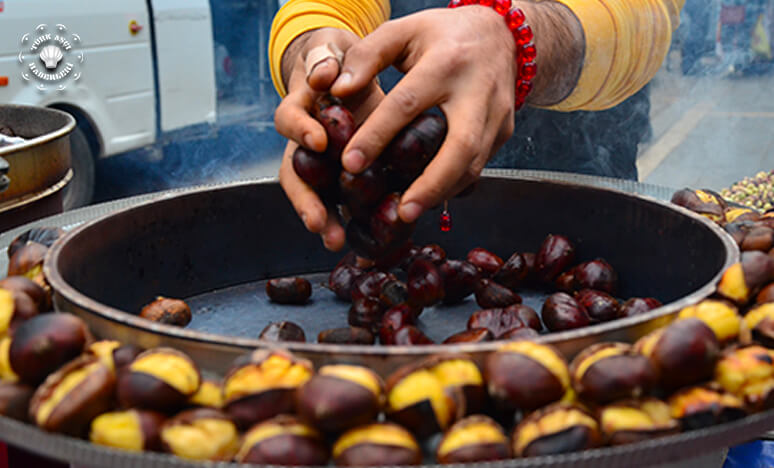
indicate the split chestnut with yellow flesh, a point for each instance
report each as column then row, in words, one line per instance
column 6, row 372
column 283, row 440
column 606, row 372
column 748, row 373
column 15, row 400
column 705, row 405
column 15, row 307
column 340, row 397
column 201, row 434
column 721, row 316
column 472, row 440
column 27, row 261
column 27, row 286
column 263, row 384
column 380, row 444
column 73, row 396
column 114, row 354
column 741, row 281
column 702, row 202
column 209, row 395
column 683, row 353
column 523, row 375
column 631, row 421
column 160, row 379
column 555, row 429
column 760, row 322
column 132, row 430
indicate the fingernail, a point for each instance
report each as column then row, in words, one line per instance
column 409, row 212
column 304, row 218
column 354, row 160
column 345, row 79
column 308, row 141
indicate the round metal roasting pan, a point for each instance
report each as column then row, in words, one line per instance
column 213, row 246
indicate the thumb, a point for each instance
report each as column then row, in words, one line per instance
column 323, row 64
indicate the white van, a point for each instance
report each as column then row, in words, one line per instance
column 142, row 72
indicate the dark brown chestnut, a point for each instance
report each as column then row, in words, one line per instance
column 283, row 331
column 596, row 274
column 513, row 272
column 498, row 321
column 283, row 441
column 340, row 397
column 487, row 262
column 474, row 335
column 703, row 202
column 431, row 252
column 342, row 280
column 721, row 316
column 759, row 238
column 600, row 306
column 201, row 434
column 490, row 295
column 15, row 400
column 289, row 290
column 605, row 372
column 320, row 171
column 27, row 260
column 409, row 335
column 346, row 335
column 519, row 334
column 638, row 305
column 15, row 307
column 765, row 295
column 361, row 192
column 555, row 256
column 393, row 320
column 339, row 125
column 394, row 292
column 562, row 312
column 378, row 444
column 472, row 440
column 387, row 228
column 28, row 287
column 459, row 280
column 370, row 284
column 43, row 343
column 133, row 430
column 414, row 146
column 458, row 373
column 168, row 311
column 425, row 285
column 366, row 312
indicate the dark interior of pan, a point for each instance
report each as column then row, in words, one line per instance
column 214, row 246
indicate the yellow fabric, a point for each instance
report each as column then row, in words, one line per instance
column 626, row 40
column 299, row 16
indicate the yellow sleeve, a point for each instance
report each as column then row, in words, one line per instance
column 299, row 16
column 626, row 43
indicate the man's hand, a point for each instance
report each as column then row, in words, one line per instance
column 461, row 60
column 308, row 72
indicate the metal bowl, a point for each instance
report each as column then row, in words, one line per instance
column 214, row 245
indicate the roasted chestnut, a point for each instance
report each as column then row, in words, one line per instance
column 283, row 331
column 340, row 397
column 720, row 316
column 366, row 312
column 425, row 285
column 289, row 290
column 418, row 400
column 760, row 322
column 459, row 280
column 6, row 372
column 526, row 375
column 346, row 335
column 633, row 421
column 519, row 334
column 596, row 274
column 395, row 319
column 201, row 434
column 605, row 372
column 320, row 171
column 133, row 430
column 113, row 354
column 555, row 429
column 748, row 373
column 474, row 335
column 600, row 306
column 15, row 400
column 433, row 253
column 490, row 295
column 159, row 379
column 758, row 238
column 370, row 284
column 45, row 236
column 500, row 321
column 394, row 293
column 342, row 280
column 43, row 343
column 513, row 272
column 379, row 444
column 701, row 201
column 284, row 441
column 409, row 335
column 168, row 311
column 27, row 286
column 209, row 395
column 458, row 373
column 487, row 262
column 735, row 214
column 72, row 396
column 263, row 384
column 555, row 256
column 702, row 406
column 742, row 280
column 472, row 440
column 683, row 353
column 638, row 305
column 27, row 260
column 15, row 308
column 562, row 312
column 765, row 295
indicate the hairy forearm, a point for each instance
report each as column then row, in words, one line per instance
column 560, row 45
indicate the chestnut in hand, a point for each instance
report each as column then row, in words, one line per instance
column 346, row 335
column 413, row 148
column 159, row 379
column 168, row 311
column 487, row 262
column 600, row 306
column 283, row 331
column 289, row 290
column 459, row 280
column 473, row 439
column 340, row 397
column 378, row 444
column 638, row 305
column 555, row 255
column 201, row 434
column 556, row 429
column 285, row 441
column 490, row 295
column 562, row 312
column 605, row 372
column 386, row 226
column 425, row 285
column 133, row 430
column 320, row 171
column 339, row 125
column 360, row 193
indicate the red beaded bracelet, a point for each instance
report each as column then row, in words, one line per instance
column 522, row 33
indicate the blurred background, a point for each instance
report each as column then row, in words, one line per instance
column 194, row 103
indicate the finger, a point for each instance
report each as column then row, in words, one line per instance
column 323, row 64
column 409, row 98
column 374, row 53
column 305, row 201
column 293, row 121
column 461, row 147
column 333, row 234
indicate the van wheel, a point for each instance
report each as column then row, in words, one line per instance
column 80, row 191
